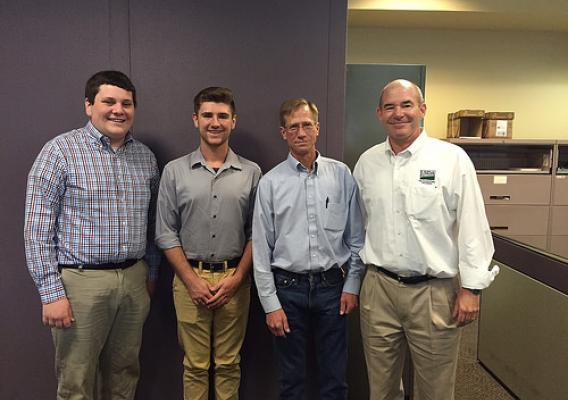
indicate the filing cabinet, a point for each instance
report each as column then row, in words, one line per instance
column 525, row 189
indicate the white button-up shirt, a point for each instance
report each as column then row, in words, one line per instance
column 424, row 213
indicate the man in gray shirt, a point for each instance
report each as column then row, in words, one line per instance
column 307, row 233
column 204, row 219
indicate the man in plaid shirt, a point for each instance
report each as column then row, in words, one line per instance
column 89, row 196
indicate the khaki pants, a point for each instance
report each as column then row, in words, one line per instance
column 97, row 357
column 202, row 332
column 394, row 314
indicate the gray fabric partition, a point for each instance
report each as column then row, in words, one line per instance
column 265, row 50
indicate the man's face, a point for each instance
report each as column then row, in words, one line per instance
column 301, row 132
column 215, row 121
column 401, row 113
column 112, row 112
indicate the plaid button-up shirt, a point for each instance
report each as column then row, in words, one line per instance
column 87, row 204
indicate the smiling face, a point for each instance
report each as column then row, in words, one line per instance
column 401, row 111
column 215, row 121
column 300, row 132
column 112, row 113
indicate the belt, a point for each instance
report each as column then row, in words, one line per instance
column 217, row 266
column 408, row 280
column 120, row 265
column 327, row 275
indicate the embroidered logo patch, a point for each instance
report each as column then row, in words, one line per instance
column 428, row 176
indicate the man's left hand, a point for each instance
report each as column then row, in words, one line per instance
column 466, row 307
column 348, row 303
column 224, row 291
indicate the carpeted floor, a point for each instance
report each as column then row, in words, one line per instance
column 473, row 382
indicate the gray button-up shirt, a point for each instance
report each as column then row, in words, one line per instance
column 207, row 212
column 306, row 221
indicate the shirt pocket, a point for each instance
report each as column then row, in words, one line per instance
column 423, row 202
column 335, row 217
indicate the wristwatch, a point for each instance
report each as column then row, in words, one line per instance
column 476, row 292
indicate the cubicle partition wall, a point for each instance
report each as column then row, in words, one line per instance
column 265, row 51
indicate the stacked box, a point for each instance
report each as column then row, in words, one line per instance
column 498, row 125
column 465, row 123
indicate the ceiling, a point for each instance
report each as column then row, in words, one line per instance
column 517, row 15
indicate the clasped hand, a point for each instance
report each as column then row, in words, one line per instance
column 212, row 296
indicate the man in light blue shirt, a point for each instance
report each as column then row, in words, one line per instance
column 307, row 233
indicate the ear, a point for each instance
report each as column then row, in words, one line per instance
column 88, row 107
column 195, row 119
column 379, row 114
column 283, row 133
column 317, row 128
column 234, row 121
column 422, row 108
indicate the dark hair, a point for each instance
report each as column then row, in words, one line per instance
column 216, row 95
column 289, row 106
column 114, row 78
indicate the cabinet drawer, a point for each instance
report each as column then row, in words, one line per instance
column 560, row 192
column 536, row 241
column 515, row 189
column 512, row 220
column 559, row 245
column 559, row 220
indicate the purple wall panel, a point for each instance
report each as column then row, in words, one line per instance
column 46, row 54
column 266, row 51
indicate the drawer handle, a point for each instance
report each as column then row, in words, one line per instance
column 503, row 197
column 499, row 228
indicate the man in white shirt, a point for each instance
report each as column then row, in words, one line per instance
column 428, row 248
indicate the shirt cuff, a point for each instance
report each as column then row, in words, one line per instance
column 472, row 279
column 352, row 285
column 270, row 303
column 49, row 294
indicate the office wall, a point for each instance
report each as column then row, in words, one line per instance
column 265, row 51
column 524, row 72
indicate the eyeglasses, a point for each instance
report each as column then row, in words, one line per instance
column 306, row 126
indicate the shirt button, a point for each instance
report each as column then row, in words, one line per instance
column 313, row 255
column 212, row 254
column 214, row 216
column 212, row 236
column 313, row 236
column 214, row 196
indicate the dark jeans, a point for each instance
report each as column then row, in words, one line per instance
column 311, row 303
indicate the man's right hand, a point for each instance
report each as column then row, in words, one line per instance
column 278, row 323
column 57, row 314
column 199, row 290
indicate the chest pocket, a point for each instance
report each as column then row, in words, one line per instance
column 335, row 217
column 422, row 201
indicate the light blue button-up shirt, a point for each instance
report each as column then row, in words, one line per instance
column 306, row 221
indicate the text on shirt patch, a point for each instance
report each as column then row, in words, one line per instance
column 428, row 176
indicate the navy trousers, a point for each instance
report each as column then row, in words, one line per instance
column 311, row 303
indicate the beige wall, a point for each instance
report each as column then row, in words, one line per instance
column 524, row 72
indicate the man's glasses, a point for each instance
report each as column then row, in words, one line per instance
column 306, row 126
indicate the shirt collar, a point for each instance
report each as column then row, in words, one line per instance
column 232, row 161
column 297, row 165
column 100, row 138
column 414, row 146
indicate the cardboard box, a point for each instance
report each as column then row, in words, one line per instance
column 465, row 123
column 498, row 125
